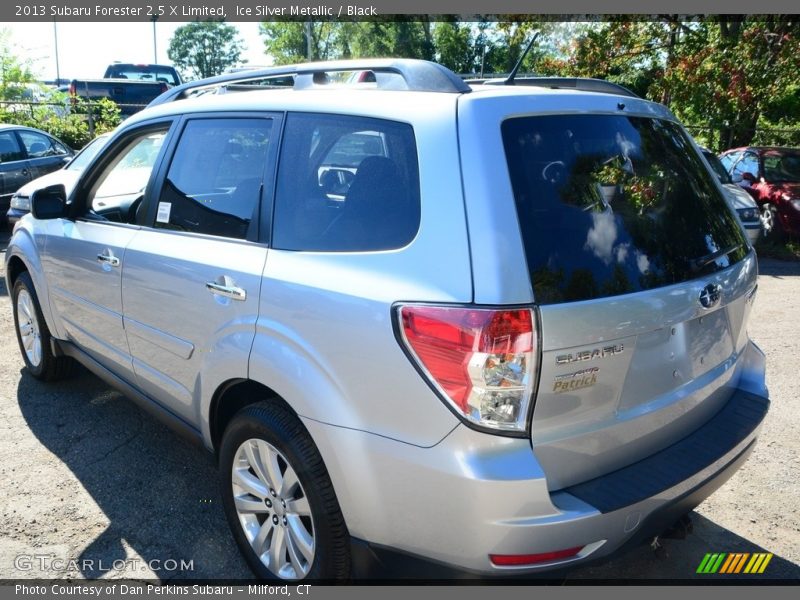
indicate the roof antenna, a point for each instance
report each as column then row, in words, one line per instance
column 510, row 79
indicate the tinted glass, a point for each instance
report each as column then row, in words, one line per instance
column 717, row 167
column 213, row 185
column 9, row 147
column 610, row 205
column 781, row 166
column 38, row 145
column 145, row 73
column 346, row 184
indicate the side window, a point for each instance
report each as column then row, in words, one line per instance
column 38, row 145
column 346, row 184
column 9, row 147
column 118, row 193
column 213, row 185
column 729, row 159
column 747, row 164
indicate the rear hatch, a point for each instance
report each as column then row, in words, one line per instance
column 643, row 280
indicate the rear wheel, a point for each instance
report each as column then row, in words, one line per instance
column 279, row 499
column 34, row 336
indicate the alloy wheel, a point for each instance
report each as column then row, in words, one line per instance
column 273, row 509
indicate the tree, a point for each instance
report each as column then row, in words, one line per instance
column 205, row 48
column 286, row 42
column 455, row 46
column 14, row 73
column 726, row 74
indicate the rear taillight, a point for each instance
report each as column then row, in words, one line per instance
column 482, row 361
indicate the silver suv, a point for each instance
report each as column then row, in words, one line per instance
column 500, row 329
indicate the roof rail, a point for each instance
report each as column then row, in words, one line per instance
column 583, row 84
column 417, row 75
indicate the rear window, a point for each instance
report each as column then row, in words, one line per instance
column 611, row 205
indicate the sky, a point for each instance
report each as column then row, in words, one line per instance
column 86, row 49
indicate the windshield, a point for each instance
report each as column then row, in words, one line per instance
column 782, row 166
column 610, row 205
column 85, row 156
column 716, row 165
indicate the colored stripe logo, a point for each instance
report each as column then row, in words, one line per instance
column 734, row 563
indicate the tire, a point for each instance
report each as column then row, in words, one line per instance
column 33, row 335
column 299, row 530
column 771, row 223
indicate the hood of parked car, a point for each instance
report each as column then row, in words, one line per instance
column 63, row 176
column 738, row 197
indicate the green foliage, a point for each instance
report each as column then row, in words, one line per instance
column 455, row 46
column 15, row 75
column 205, row 48
column 732, row 77
column 64, row 120
column 286, row 42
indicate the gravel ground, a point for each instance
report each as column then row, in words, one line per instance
column 86, row 476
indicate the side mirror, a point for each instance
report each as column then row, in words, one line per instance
column 747, row 176
column 49, row 202
column 66, row 160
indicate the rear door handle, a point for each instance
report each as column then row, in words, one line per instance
column 108, row 259
column 228, row 291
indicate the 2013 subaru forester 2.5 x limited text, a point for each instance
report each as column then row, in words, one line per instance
column 500, row 329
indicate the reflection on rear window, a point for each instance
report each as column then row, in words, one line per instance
column 610, row 205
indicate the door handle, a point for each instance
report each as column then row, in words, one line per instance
column 108, row 259
column 228, row 291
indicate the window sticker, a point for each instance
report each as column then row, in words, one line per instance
column 164, row 208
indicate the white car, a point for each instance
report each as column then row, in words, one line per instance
column 740, row 201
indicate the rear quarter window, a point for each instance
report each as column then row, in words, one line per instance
column 346, row 184
column 610, row 205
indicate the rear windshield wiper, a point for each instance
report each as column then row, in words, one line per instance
column 696, row 264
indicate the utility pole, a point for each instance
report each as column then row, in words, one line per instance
column 55, row 36
column 308, row 40
column 154, row 18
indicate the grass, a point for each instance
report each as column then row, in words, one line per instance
column 786, row 249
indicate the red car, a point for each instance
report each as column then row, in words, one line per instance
column 772, row 176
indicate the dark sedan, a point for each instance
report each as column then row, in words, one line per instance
column 25, row 154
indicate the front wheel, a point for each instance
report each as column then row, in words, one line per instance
column 279, row 499
column 33, row 335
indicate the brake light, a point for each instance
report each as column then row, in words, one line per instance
column 521, row 560
column 483, row 361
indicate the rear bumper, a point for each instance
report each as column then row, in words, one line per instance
column 473, row 494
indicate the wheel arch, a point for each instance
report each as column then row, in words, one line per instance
column 231, row 397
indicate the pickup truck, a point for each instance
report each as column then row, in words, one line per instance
column 131, row 86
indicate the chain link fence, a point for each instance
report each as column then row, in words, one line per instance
column 764, row 136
